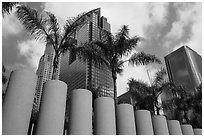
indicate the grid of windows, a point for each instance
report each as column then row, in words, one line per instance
column 100, row 74
column 84, row 75
column 179, row 65
column 78, row 74
column 44, row 73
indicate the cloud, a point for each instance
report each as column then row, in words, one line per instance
column 181, row 25
column 11, row 25
column 176, row 31
column 32, row 50
column 187, row 29
column 157, row 12
column 195, row 42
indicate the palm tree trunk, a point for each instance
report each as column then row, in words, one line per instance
column 114, row 76
column 115, row 90
column 157, row 110
column 156, row 103
column 186, row 117
column 55, row 75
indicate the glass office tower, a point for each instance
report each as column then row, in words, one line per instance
column 78, row 74
column 184, row 67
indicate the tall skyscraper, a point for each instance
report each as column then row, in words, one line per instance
column 78, row 74
column 184, row 67
column 44, row 72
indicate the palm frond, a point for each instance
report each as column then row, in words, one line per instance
column 69, row 44
column 132, row 42
column 88, row 51
column 3, row 68
column 7, row 7
column 167, row 87
column 159, row 76
column 119, row 68
column 108, row 52
column 143, row 59
column 123, row 32
column 102, row 45
column 108, row 38
column 4, row 78
column 33, row 22
column 123, row 44
column 138, row 87
column 53, row 27
column 74, row 23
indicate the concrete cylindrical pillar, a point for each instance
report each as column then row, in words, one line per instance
column 187, row 129
column 143, row 122
column 125, row 120
column 160, row 125
column 81, row 112
column 105, row 123
column 18, row 102
column 52, row 108
column 174, row 127
column 197, row 131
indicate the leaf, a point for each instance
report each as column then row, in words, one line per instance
column 88, row 51
column 143, row 59
column 74, row 23
column 53, row 27
column 33, row 21
column 159, row 77
column 123, row 45
column 69, row 44
column 7, row 7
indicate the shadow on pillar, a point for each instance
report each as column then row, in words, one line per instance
column 81, row 112
column 17, row 105
column 52, row 108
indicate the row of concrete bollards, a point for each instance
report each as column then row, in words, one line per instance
column 17, row 108
column 127, row 121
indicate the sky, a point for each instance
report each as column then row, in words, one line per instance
column 164, row 26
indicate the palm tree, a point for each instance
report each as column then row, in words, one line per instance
column 187, row 108
column 46, row 27
column 139, row 90
column 7, row 7
column 147, row 97
column 110, row 50
column 196, row 108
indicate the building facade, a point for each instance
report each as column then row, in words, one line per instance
column 184, row 67
column 78, row 74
